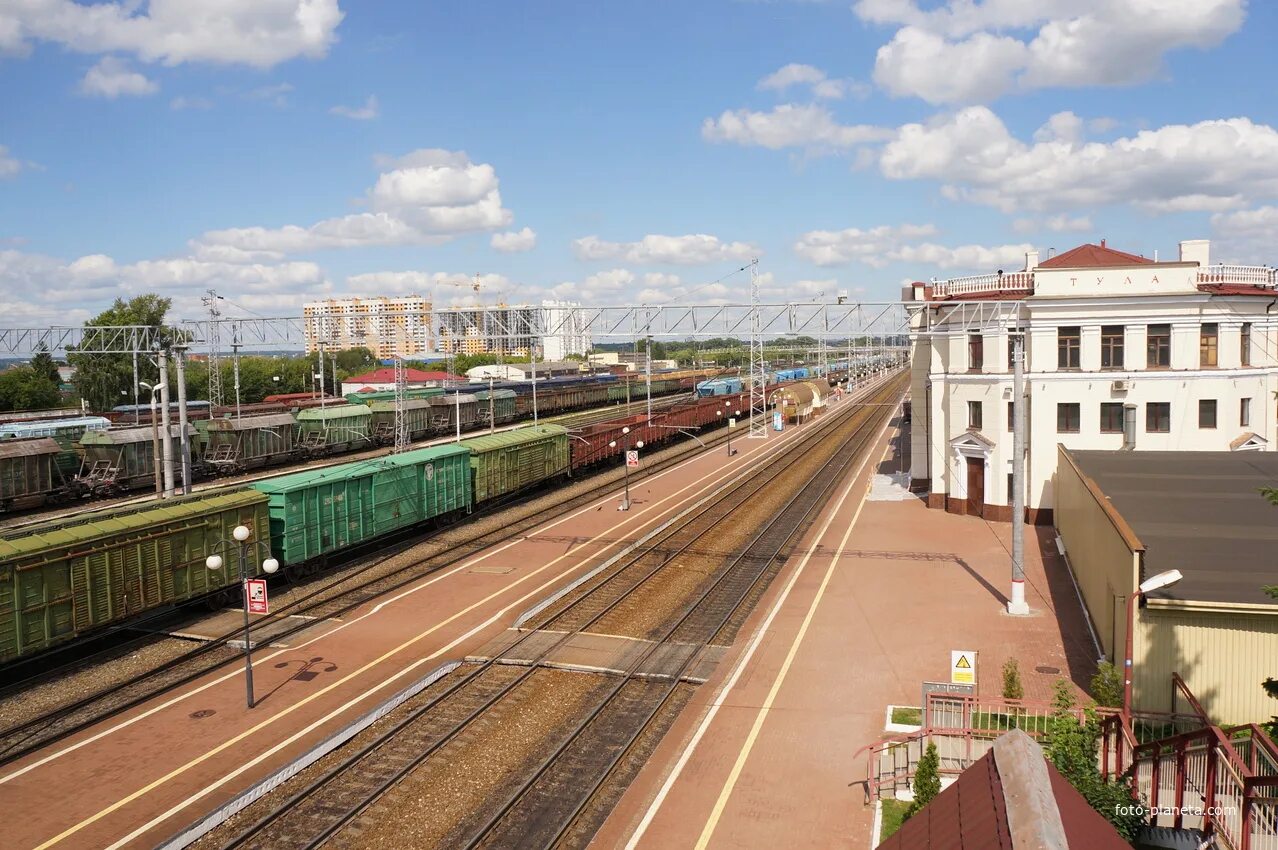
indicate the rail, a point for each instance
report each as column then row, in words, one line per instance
column 982, row 283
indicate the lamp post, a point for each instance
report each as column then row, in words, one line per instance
column 1158, row 582
column 155, row 438
column 736, row 414
column 241, row 535
column 612, row 444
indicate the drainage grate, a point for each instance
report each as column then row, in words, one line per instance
column 1045, row 669
column 203, row 712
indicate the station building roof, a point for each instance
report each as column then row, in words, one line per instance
column 1198, row 512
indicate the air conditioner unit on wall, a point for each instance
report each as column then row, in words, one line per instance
column 1120, row 386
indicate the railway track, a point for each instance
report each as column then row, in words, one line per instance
column 558, row 797
column 342, row 595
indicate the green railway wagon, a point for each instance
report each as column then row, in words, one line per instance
column 416, row 412
column 318, row 512
column 496, row 406
column 622, row 391
column 64, row 578
column 29, row 472
column 334, row 429
column 389, row 395
column 510, row 461
column 232, row 445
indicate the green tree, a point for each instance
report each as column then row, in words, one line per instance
column 23, row 388
column 105, row 380
column 1012, row 687
column 353, row 361
column 43, row 364
column 927, row 780
column 1107, row 685
column 1072, row 747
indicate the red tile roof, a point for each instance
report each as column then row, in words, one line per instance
column 1088, row 256
column 414, row 376
column 972, row 815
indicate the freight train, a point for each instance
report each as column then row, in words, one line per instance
column 94, row 461
column 63, row 579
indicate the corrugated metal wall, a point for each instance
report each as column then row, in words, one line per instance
column 1222, row 655
column 1104, row 565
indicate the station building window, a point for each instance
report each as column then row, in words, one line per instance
column 1158, row 343
column 1068, row 344
column 1207, row 413
column 1244, row 345
column 1158, row 417
column 974, row 415
column 1208, row 346
column 1111, row 417
column 1068, row 417
column 1112, row 347
column 975, row 352
column 1244, row 412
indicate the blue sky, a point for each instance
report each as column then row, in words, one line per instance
column 283, row 150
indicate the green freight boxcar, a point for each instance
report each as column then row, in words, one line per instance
column 416, row 412
column 29, row 472
column 234, row 445
column 510, row 461
column 389, row 395
column 318, row 512
column 123, row 458
column 64, row 578
column 495, row 407
column 334, row 429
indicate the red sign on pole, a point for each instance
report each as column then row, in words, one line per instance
column 256, row 588
column 632, row 458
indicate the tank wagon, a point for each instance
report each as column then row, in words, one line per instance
column 64, row 578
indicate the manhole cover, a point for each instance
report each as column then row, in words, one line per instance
column 203, row 712
column 1044, row 669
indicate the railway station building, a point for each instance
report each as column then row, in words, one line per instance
column 1124, row 517
column 1121, row 352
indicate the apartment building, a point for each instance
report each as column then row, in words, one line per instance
column 1122, row 352
column 511, row 330
column 389, row 327
column 563, row 329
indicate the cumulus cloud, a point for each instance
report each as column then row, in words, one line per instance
column 410, row 204
column 276, row 94
column 1057, row 224
column 190, row 102
column 514, row 241
column 9, row 164
column 680, row 250
column 789, row 125
column 879, row 246
column 45, row 285
column 962, row 52
column 1211, row 165
column 446, row 288
column 112, row 77
column 258, row 33
column 1246, row 236
column 809, row 77
column 367, row 112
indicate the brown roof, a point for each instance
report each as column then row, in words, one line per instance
column 1088, row 256
column 982, row 811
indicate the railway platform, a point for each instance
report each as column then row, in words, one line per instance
column 142, row 778
column 867, row 609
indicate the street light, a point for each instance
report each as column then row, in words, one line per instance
column 1149, row 585
column 241, row 535
column 612, row 444
column 736, row 414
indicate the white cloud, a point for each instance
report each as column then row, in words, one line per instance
column 411, row 205
column 258, row 33
column 447, row 287
column 113, row 77
column 680, row 250
column 515, row 241
column 275, row 94
column 423, row 158
column 1057, row 224
column 1210, row 165
column 973, row 257
column 961, row 52
column 870, row 246
column 190, row 102
column 367, row 112
column 1246, row 236
column 789, row 125
column 814, row 78
column 9, row 164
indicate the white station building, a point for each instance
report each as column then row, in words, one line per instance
column 1122, row 352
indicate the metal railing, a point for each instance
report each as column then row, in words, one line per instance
column 1223, row 273
column 975, row 284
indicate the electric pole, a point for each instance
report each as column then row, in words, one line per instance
column 215, row 348
column 1018, row 605
column 758, row 399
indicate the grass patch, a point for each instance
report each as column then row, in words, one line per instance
column 998, row 721
column 893, row 816
column 907, row 716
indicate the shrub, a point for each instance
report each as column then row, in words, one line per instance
column 927, row 779
column 1012, row 687
column 1107, row 685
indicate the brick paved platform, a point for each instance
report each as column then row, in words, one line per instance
column 866, row 610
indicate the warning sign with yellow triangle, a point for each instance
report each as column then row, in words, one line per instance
column 963, row 667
